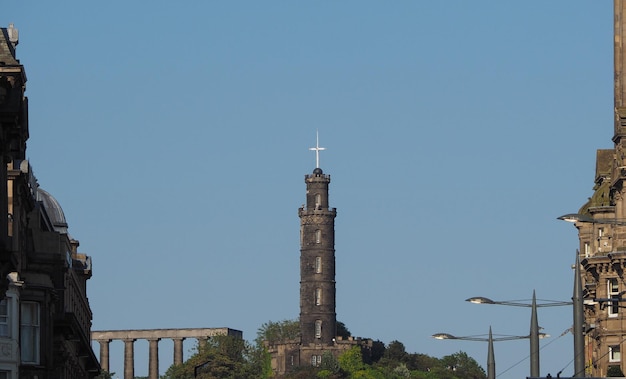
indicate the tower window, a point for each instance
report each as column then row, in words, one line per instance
column 318, row 236
column 587, row 250
column 318, row 265
column 318, row 328
column 318, row 201
column 614, row 354
column 318, row 296
column 613, row 291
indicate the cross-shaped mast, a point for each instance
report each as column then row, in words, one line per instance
column 317, row 149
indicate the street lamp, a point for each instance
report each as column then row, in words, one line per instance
column 534, row 325
column 579, row 321
column 576, row 217
column 491, row 361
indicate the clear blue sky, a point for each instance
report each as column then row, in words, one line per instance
column 175, row 135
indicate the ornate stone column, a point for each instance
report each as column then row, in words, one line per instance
column 104, row 354
column 153, row 363
column 129, row 358
column 178, row 350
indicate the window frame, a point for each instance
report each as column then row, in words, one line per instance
column 615, row 353
column 30, row 356
column 613, row 293
column 318, row 329
column 318, row 265
column 5, row 319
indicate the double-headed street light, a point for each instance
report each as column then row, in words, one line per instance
column 534, row 335
column 491, row 361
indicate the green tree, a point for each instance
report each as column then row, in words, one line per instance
column 273, row 332
column 377, row 351
column 330, row 363
column 351, row 360
column 105, row 375
column 222, row 357
column 421, row 362
column 302, row 372
column 402, row 371
column 342, row 330
column 396, row 352
column 463, row 366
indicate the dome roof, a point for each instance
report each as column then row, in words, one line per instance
column 54, row 210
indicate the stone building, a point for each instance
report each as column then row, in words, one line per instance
column 45, row 318
column 601, row 224
column 318, row 319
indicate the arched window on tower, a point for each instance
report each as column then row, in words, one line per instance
column 318, row 265
column 318, row 236
column 318, row 201
column 318, row 328
column 318, row 296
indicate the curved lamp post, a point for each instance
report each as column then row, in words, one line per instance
column 534, row 335
column 491, row 361
column 578, row 301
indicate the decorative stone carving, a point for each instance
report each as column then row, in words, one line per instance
column 6, row 350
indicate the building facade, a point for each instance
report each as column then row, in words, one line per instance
column 602, row 233
column 45, row 318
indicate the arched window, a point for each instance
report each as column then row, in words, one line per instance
column 318, row 236
column 318, row 296
column 318, row 328
column 318, row 265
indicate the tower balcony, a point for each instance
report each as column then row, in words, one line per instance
column 318, row 211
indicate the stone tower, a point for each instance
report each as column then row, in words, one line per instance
column 317, row 263
column 318, row 318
